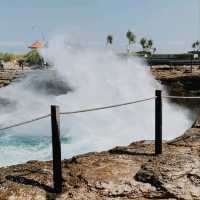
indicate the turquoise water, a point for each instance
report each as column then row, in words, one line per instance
column 18, row 148
column 27, row 141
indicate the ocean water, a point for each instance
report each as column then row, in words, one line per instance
column 82, row 78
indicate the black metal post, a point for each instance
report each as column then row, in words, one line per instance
column 158, row 122
column 57, row 168
column 191, row 63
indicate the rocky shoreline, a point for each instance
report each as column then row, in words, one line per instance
column 179, row 81
column 10, row 73
column 131, row 172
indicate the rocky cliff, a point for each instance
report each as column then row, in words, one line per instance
column 179, row 81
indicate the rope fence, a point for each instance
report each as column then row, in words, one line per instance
column 96, row 109
column 55, row 125
column 26, row 122
column 107, row 107
column 77, row 112
column 180, row 97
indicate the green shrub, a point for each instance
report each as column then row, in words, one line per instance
column 33, row 58
column 7, row 57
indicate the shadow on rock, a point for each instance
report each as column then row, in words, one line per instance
column 26, row 181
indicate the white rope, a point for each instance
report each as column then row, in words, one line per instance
column 95, row 109
column 106, row 107
column 76, row 112
column 23, row 123
column 180, row 97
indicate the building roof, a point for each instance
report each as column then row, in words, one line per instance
column 36, row 45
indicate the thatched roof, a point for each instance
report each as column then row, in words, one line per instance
column 36, row 45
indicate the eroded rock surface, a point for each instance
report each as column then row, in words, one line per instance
column 131, row 172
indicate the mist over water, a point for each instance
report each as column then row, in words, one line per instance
column 82, row 78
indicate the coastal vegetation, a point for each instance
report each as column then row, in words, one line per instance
column 9, row 57
column 109, row 40
column 196, row 46
column 148, row 48
column 131, row 39
column 146, row 44
column 32, row 57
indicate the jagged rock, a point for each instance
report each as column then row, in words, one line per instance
column 190, row 138
column 197, row 123
column 177, row 174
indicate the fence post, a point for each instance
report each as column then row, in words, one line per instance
column 158, row 122
column 56, row 146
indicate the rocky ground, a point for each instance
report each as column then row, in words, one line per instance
column 131, row 172
column 10, row 72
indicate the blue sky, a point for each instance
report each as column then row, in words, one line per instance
column 172, row 24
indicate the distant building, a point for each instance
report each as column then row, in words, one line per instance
column 36, row 45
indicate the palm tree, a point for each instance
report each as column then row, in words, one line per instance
column 144, row 43
column 147, row 45
column 196, row 45
column 150, row 44
column 109, row 40
column 131, row 39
